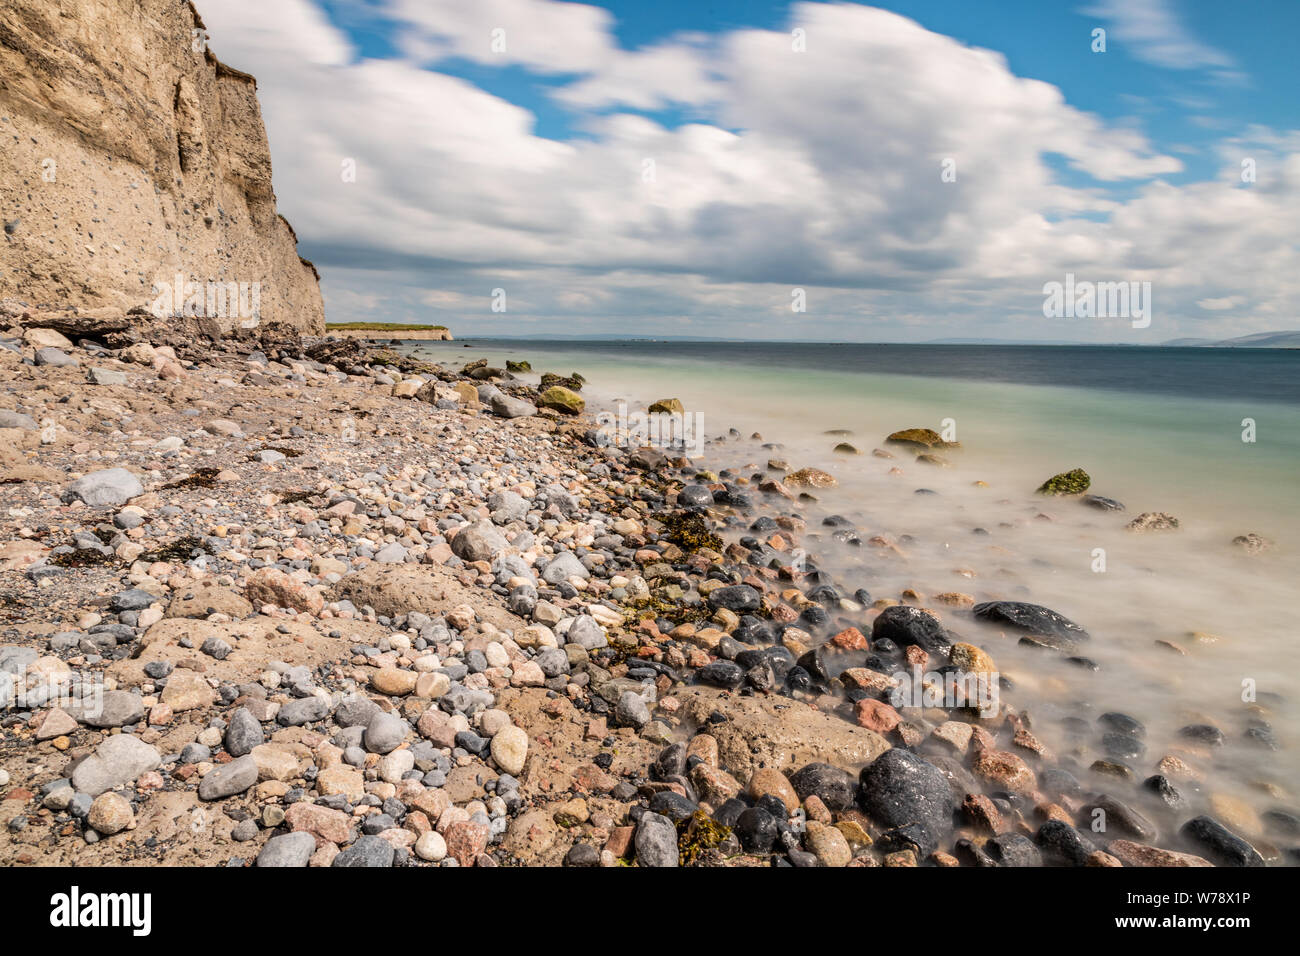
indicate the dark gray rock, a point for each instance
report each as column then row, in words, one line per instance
column 367, row 851
column 243, row 733
column 229, row 779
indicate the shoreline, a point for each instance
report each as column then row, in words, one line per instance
column 340, row 484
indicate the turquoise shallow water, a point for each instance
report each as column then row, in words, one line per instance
column 1159, row 429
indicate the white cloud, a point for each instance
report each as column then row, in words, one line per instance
column 819, row 169
column 1152, row 32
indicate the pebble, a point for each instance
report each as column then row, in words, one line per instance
column 229, row 779
column 289, row 849
column 110, row 813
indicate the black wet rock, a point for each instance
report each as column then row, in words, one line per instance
column 1122, row 746
column 798, row 680
column 1116, row 818
column 740, row 598
column 899, row 788
column 905, row 625
column 1165, row 791
column 1062, row 843
column 835, row 787
column 672, row 805
column 721, row 673
column 814, row 662
column 1202, row 734
column 1122, row 723
column 778, row 657
column 671, row 762
column 729, row 813
column 912, row 836
column 1034, row 618
column 1013, row 849
column 1218, row 844
column 969, row 854
column 757, row 830
column 1056, row 782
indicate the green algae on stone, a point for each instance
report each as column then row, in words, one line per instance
column 1074, row 482
column 573, row 383
column 689, row 531
column 697, row 835
column 562, row 399
column 671, row 406
column 518, row 366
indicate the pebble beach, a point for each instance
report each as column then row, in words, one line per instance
column 323, row 603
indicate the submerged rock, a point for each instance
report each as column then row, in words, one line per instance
column 810, row 478
column 1102, row 504
column 1219, row 844
column 1033, row 618
column 1153, row 521
column 920, row 438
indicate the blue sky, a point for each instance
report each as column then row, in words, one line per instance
column 525, row 165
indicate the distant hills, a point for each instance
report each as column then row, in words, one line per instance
column 1258, row 340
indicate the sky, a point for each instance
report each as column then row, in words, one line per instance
column 757, row 169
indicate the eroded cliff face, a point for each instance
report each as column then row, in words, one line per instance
column 135, row 175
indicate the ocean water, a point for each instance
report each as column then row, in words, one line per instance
column 1158, row 429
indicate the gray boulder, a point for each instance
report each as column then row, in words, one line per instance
column 105, row 489
column 480, row 541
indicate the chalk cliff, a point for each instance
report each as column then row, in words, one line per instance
column 131, row 157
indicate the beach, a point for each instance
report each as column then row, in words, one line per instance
column 319, row 603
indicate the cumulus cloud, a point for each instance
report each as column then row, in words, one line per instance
column 822, row 169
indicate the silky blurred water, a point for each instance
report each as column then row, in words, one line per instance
column 1158, row 429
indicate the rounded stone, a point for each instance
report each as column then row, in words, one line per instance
column 510, row 749
column 431, row 846
column 110, row 814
